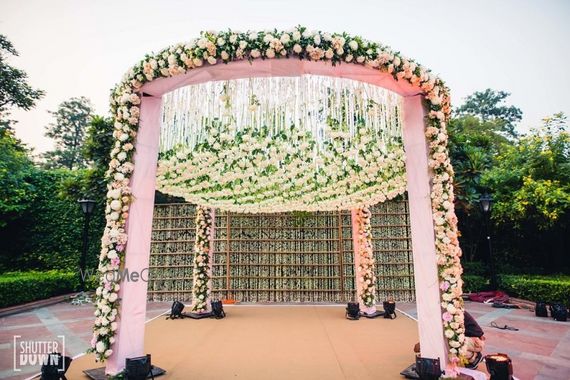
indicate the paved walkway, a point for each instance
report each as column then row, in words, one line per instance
column 46, row 323
column 540, row 349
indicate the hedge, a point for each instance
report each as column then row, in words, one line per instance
column 21, row 287
column 553, row 289
column 474, row 283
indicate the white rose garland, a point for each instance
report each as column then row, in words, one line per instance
column 178, row 59
column 201, row 267
column 365, row 271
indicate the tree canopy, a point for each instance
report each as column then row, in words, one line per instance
column 489, row 105
column 71, row 121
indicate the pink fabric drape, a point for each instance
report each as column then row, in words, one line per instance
column 423, row 240
column 130, row 335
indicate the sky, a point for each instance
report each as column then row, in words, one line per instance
column 73, row 48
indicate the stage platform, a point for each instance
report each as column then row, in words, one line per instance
column 277, row 342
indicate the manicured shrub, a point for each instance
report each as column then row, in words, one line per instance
column 474, row 283
column 21, row 287
column 537, row 288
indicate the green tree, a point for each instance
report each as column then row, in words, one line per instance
column 15, row 168
column 71, row 121
column 14, row 88
column 489, row 105
column 531, row 179
column 530, row 182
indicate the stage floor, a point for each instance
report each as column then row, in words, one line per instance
column 277, row 342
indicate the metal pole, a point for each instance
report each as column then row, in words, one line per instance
column 84, row 251
column 491, row 261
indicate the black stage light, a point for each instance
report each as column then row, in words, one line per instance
column 389, row 309
column 540, row 309
column 353, row 311
column 499, row 366
column 428, row 369
column 559, row 312
column 218, row 309
column 56, row 367
column 176, row 310
column 138, row 368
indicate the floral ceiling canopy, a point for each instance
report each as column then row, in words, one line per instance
column 277, row 144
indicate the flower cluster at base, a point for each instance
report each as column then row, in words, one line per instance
column 365, row 270
column 202, row 270
column 300, row 43
column 252, row 171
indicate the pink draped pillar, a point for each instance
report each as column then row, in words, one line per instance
column 129, row 340
column 355, row 249
column 433, row 344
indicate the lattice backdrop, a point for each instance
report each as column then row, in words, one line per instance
column 290, row 257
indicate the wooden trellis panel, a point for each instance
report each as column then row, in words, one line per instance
column 290, row 257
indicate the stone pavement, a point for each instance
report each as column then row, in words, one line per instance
column 74, row 322
column 540, row 350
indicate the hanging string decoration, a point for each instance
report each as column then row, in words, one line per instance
column 282, row 144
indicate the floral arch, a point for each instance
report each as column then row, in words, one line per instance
column 136, row 105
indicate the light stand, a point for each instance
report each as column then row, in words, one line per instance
column 87, row 206
column 486, row 203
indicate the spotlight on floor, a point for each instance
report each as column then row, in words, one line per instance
column 389, row 309
column 176, row 310
column 353, row 311
column 56, row 367
column 428, row 369
column 499, row 366
column 138, row 368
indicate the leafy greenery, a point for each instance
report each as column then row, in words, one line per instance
column 22, row 287
column 15, row 167
column 554, row 289
column 71, row 121
column 475, row 283
column 531, row 178
column 488, row 106
column 14, row 88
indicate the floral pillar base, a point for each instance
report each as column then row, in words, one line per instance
column 365, row 279
column 203, row 253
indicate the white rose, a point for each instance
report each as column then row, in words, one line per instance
column 212, row 60
column 108, row 353
column 114, row 193
column 270, row 53
column 296, row 35
column 113, row 297
column 317, row 39
column 121, row 156
column 116, row 205
column 100, row 347
column 353, row 45
column 297, row 48
column 360, row 59
column 124, row 137
column 225, row 56
column 197, row 62
column 285, row 38
column 255, row 53
column 233, row 38
column 112, row 254
column 221, row 41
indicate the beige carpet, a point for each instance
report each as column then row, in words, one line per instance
column 277, row 342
